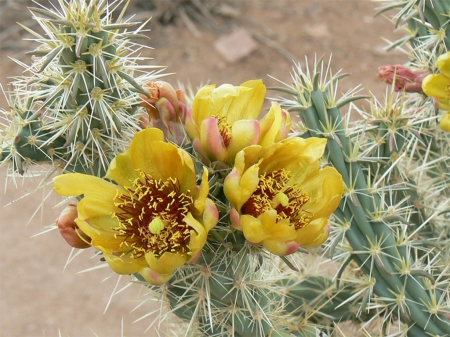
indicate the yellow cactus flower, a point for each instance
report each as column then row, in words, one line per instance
column 445, row 122
column 438, row 85
column 155, row 218
column 280, row 196
column 223, row 120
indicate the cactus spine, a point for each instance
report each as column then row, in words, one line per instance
column 79, row 105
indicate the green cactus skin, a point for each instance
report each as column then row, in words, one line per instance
column 80, row 105
column 403, row 270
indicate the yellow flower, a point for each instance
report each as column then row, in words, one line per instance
column 280, row 196
column 438, row 85
column 223, row 120
column 155, row 218
column 445, row 122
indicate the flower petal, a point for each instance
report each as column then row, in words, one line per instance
column 124, row 264
column 313, row 233
column 280, row 248
column 245, row 132
column 74, row 184
column 212, row 140
column 167, row 263
column 436, row 85
column 248, row 104
column 325, row 188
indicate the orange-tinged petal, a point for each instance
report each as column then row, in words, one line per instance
column 167, row 263
column 124, row 264
column 192, row 128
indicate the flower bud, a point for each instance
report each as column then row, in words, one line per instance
column 69, row 229
column 166, row 109
column 402, row 77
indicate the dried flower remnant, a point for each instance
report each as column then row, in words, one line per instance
column 403, row 78
column 166, row 109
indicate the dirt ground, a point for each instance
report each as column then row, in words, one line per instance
column 38, row 297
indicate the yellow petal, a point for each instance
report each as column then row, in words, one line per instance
column 124, row 264
column 280, row 230
column 280, row 248
column 445, row 122
column 294, row 155
column 248, row 104
column 121, row 169
column 103, row 240
column 202, row 192
column 163, row 160
column 313, row 231
column 244, row 133
column 167, row 263
column 74, row 184
column 154, row 278
column 210, row 215
column 198, row 234
column 443, row 64
column 436, row 85
column 325, row 188
column 253, row 229
column 271, row 125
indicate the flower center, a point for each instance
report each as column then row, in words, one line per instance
column 152, row 217
column 224, row 129
column 274, row 192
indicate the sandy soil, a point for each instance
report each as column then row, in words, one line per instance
column 37, row 295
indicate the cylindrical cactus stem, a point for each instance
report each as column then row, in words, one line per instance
column 367, row 232
column 221, row 293
column 84, row 77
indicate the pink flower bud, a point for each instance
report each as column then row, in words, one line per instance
column 166, row 110
column 69, row 229
column 402, row 77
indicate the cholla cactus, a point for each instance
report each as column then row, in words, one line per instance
column 214, row 221
column 80, row 104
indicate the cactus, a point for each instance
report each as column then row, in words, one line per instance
column 243, row 220
column 80, row 104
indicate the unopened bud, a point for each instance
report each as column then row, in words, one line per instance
column 403, row 78
column 69, row 229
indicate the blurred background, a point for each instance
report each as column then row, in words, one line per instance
column 199, row 41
